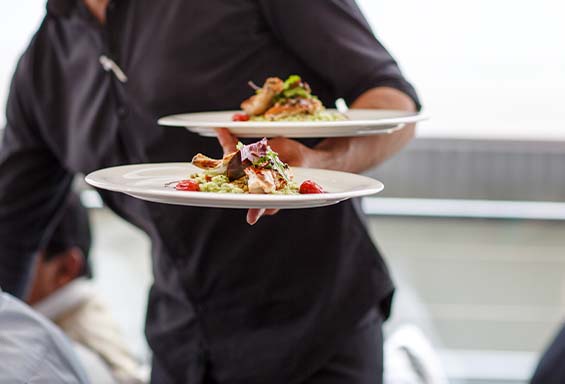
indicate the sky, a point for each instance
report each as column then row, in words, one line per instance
column 484, row 68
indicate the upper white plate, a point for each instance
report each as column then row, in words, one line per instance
column 149, row 182
column 361, row 122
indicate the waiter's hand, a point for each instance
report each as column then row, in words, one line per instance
column 228, row 143
column 290, row 151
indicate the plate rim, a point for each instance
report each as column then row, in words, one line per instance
column 406, row 117
column 376, row 187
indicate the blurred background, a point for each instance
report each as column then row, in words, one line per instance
column 473, row 214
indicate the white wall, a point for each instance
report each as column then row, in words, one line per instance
column 484, row 68
column 18, row 21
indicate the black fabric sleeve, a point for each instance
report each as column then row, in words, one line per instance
column 335, row 40
column 33, row 187
column 550, row 368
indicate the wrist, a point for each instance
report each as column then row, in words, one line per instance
column 331, row 154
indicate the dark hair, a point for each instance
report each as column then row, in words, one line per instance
column 73, row 230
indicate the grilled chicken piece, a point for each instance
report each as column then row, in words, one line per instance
column 230, row 165
column 213, row 166
column 293, row 107
column 204, row 162
column 260, row 180
column 263, row 100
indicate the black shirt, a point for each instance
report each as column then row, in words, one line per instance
column 260, row 304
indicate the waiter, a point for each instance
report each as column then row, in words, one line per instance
column 297, row 298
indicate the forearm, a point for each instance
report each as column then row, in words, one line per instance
column 357, row 154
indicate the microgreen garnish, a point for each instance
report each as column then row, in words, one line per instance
column 262, row 156
column 276, row 164
column 294, row 87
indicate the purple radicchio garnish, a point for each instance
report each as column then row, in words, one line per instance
column 261, row 155
column 254, row 152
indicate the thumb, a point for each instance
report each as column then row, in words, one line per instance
column 227, row 140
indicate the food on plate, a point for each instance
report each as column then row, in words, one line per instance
column 253, row 168
column 289, row 100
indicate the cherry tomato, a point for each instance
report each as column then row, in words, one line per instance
column 240, row 117
column 187, row 185
column 310, row 187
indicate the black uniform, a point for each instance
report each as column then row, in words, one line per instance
column 230, row 302
column 551, row 368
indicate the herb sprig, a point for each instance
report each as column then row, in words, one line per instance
column 270, row 159
column 276, row 164
column 294, row 87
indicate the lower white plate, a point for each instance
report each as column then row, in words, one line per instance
column 155, row 182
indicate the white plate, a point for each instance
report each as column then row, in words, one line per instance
column 361, row 122
column 149, row 182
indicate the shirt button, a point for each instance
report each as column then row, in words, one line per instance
column 122, row 112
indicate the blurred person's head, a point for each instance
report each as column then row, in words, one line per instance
column 65, row 256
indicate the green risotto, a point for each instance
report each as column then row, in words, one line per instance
column 221, row 184
column 289, row 189
column 320, row 116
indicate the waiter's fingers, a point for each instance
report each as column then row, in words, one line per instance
column 227, row 140
column 253, row 215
